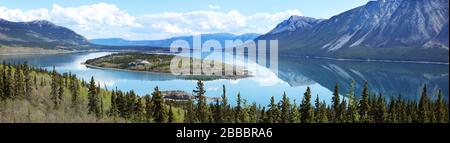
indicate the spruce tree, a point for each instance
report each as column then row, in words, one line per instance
column 424, row 111
column 54, row 88
column 113, row 111
column 148, row 109
column 238, row 109
column 353, row 114
column 285, row 109
column 19, row 85
column 364, row 106
column 336, row 104
column 28, row 82
column 273, row 112
column 202, row 108
column 225, row 112
column 307, row 112
column 295, row 113
column 93, row 100
column 140, row 110
column 159, row 110
column 440, row 108
column 75, row 93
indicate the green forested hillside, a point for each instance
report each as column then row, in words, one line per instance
column 30, row 94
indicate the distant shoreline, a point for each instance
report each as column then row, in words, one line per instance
column 7, row 51
column 367, row 60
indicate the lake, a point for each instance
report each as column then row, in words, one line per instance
column 295, row 74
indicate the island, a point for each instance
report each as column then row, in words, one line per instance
column 156, row 63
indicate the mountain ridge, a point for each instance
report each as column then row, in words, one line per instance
column 413, row 30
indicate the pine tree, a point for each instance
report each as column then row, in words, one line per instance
column 440, row 108
column 60, row 89
column 225, row 112
column 114, row 111
column 28, row 89
column 140, row 111
column 364, row 106
column 336, row 104
column 54, row 89
column 273, row 112
column 75, row 93
column 285, row 109
column 307, row 112
column 93, row 104
column 148, row 109
column 238, row 110
column 353, row 114
column 343, row 111
column 424, row 111
column 8, row 91
column 19, row 85
column 159, row 110
column 202, row 108
column 295, row 114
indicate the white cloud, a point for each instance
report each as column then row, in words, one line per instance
column 103, row 20
column 214, row 6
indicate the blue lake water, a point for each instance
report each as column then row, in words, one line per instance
column 294, row 75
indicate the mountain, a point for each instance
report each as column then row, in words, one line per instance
column 221, row 37
column 413, row 30
column 39, row 33
column 296, row 23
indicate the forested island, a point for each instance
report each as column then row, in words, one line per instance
column 158, row 63
column 29, row 94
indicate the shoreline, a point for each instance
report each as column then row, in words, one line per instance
column 368, row 60
column 162, row 73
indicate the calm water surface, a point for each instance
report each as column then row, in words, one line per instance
column 295, row 74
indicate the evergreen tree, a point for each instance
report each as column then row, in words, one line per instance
column 60, row 89
column 8, row 91
column 75, row 93
column 114, row 110
column 295, row 114
column 28, row 89
column 54, row 88
column 285, row 109
column 424, row 111
column 343, row 111
column 19, row 85
column 202, row 108
column 225, row 112
column 148, row 108
column 238, row 110
column 440, row 108
column 273, row 112
column 140, row 110
column 93, row 104
column 353, row 114
column 336, row 104
column 307, row 112
column 364, row 106
column 159, row 110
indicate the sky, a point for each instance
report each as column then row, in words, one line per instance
column 159, row 19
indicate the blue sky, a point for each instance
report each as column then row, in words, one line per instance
column 157, row 19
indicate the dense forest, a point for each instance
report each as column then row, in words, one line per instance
column 30, row 94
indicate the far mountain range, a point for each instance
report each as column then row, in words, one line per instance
column 405, row 30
